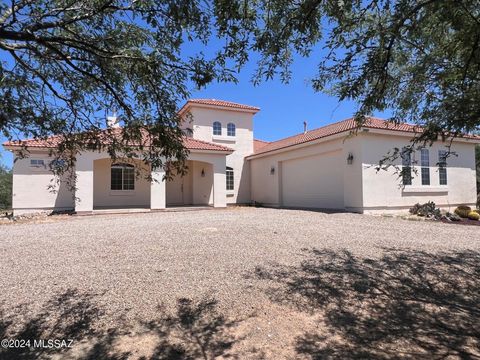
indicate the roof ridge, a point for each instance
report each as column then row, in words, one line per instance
column 310, row 131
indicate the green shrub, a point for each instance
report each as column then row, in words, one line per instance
column 463, row 211
column 472, row 215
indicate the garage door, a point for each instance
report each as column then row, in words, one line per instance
column 313, row 182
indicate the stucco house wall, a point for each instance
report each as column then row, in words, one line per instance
column 303, row 176
column 333, row 167
column 104, row 197
column 317, row 175
column 382, row 191
column 201, row 123
column 34, row 188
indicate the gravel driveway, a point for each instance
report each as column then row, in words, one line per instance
column 244, row 283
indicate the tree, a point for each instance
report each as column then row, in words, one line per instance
column 5, row 188
column 72, row 60
column 66, row 63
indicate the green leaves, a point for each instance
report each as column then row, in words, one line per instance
column 66, row 63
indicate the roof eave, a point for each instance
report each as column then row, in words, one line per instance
column 190, row 104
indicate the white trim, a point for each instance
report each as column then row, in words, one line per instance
column 224, row 138
column 425, row 189
column 190, row 104
column 122, row 192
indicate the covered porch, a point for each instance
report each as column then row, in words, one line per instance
column 123, row 186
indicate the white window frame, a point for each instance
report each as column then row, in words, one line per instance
column 37, row 163
column 122, row 166
column 215, row 128
column 425, row 167
column 229, row 172
column 406, row 157
column 231, row 132
column 442, row 167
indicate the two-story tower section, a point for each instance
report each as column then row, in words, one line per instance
column 228, row 124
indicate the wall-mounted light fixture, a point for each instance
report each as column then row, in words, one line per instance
column 272, row 170
column 350, row 159
column 203, row 173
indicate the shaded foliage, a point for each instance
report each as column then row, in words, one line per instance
column 6, row 179
column 196, row 330
column 67, row 62
column 406, row 304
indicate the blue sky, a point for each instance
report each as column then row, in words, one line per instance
column 284, row 107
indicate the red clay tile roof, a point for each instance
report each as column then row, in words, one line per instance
column 258, row 144
column 221, row 103
column 53, row 141
column 195, row 144
column 336, row 128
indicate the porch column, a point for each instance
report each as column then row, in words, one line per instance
column 157, row 190
column 219, row 182
column 84, row 183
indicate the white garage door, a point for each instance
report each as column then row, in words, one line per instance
column 313, row 182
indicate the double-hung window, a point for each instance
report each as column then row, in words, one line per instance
column 442, row 167
column 406, row 167
column 122, row 177
column 425, row 163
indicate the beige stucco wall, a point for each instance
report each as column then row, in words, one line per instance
column 382, row 191
column 309, row 176
column 317, row 175
column 103, row 196
column 92, row 188
column 197, row 189
column 31, row 187
column 201, row 125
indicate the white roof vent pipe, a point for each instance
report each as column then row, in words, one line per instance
column 304, row 127
column 113, row 121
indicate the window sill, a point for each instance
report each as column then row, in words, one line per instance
column 122, row 192
column 229, row 139
column 426, row 189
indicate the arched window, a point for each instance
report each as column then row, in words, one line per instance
column 122, row 177
column 217, row 128
column 229, row 177
column 230, row 129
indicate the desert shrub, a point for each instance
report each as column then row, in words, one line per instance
column 463, row 211
column 472, row 215
column 428, row 210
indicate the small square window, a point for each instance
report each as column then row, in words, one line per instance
column 37, row 163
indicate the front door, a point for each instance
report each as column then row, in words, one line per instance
column 175, row 191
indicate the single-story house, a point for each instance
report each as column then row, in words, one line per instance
column 332, row 167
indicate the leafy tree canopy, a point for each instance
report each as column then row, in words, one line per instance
column 65, row 62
